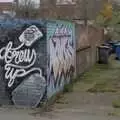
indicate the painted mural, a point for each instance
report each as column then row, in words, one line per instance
column 20, row 55
column 61, row 38
column 37, row 58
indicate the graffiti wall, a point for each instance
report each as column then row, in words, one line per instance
column 23, row 62
column 61, row 38
column 36, row 60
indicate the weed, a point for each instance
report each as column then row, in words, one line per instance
column 116, row 103
column 68, row 88
column 116, row 112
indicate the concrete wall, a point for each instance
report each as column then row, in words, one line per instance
column 36, row 60
column 88, row 38
column 62, row 50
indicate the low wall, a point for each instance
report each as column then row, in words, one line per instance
column 87, row 39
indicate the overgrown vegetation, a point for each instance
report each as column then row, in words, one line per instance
column 68, row 88
column 101, row 78
column 109, row 18
column 116, row 112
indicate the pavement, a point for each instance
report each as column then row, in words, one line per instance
column 76, row 106
column 84, row 113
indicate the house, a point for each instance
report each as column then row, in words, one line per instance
column 7, row 7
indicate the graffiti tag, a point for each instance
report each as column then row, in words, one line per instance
column 18, row 62
column 61, row 52
column 13, row 57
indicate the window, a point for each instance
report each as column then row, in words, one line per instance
column 64, row 2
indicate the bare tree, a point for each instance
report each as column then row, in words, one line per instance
column 27, row 9
column 85, row 14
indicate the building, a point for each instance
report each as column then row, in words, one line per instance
column 7, row 7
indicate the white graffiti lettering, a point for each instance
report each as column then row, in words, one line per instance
column 61, row 50
column 18, row 62
column 30, row 35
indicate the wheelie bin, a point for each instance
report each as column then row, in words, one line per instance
column 103, row 54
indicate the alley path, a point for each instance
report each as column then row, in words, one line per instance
column 91, row 99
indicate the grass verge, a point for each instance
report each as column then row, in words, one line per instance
column 101, row 78
column 116, row 112
column 116, row 103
